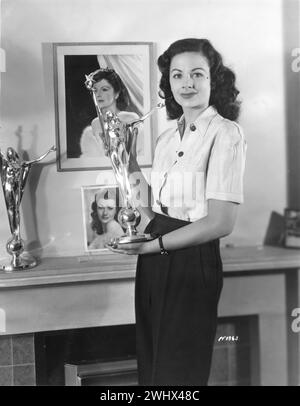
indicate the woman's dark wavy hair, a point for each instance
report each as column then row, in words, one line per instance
column 123, row 101
column 223, row 91
column 96, row 224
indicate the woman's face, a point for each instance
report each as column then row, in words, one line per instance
column 106, row 209
column 106, row 95
column 190, row 80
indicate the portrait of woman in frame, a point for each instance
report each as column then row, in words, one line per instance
column 100, row 209
column 78, row 147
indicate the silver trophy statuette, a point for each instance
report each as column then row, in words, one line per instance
column 116, row 136
column 14, row 174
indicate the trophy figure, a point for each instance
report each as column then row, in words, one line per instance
column 116, row 137
column 14, row 174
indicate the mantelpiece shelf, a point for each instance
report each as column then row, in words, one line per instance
column 108, row 266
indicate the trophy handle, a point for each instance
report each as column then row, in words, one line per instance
column 34, row 161
column 143, row 118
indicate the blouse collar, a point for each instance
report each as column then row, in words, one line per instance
column 200, row 122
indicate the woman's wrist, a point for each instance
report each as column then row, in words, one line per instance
column 151, row 247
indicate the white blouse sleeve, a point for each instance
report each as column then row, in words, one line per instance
column 226, row 164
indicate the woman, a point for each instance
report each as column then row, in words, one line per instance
column 105, row 218
column 112, row 95
column 197, row 188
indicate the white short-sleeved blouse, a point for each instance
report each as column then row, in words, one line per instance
column 207, row 163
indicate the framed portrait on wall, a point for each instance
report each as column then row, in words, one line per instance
column 100, row 208
column 76, row 119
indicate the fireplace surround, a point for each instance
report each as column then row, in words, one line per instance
column 106, row 355
column 76, row 293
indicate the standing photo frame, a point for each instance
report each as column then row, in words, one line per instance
column 74, row 107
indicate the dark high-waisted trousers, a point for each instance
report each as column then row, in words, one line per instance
column 176, row 300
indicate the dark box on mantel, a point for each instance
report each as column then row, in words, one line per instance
column 292, row 228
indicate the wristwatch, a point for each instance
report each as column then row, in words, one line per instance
column 161, row 245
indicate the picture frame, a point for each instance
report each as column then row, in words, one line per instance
column 100, row 208
column 74, row 106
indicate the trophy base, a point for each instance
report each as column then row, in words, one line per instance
column 25, row 261
column 130, row 239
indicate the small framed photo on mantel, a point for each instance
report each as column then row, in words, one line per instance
column 100, row 208
column 125, row 79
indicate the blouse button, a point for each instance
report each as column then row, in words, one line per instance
column 192, row 127
column 180, row 153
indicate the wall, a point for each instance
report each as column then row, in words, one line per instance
column 2, row 53
column 248, row 34
column 292, row 74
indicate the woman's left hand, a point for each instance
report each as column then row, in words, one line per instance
column 137, row 248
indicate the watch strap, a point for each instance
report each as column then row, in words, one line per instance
column 163, row 251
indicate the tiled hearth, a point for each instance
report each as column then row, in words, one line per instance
column 17, row 360
column 19, row 363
